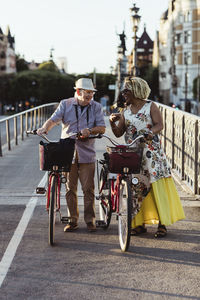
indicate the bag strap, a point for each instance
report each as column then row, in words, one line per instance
column 87, row 112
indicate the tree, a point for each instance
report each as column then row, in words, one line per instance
column 48, row 66
column 21, row 64
column 150, row 74
column 6, row 88
column 43, row 86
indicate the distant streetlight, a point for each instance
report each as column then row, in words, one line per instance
column 51, row 53
column 136, row 20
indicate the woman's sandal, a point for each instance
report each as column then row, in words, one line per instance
column 138, row 230
column 161, row 232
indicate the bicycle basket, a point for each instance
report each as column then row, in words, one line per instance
column 121, row 157
column 56, row 154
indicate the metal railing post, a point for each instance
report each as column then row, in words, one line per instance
column 196, row 159
column 0, row 143
column 39, row 113
column 8, row 134
column 22, row 127
column 183, row 149
column 35, row 118
column 165, row 129
column 173, row 137
column 15, row 131
column 26, row 122
column 31, row 120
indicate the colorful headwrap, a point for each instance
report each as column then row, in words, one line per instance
column 138, row 87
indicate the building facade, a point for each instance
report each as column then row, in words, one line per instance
column 144, row 53
column 179, row 52
column 7, row 52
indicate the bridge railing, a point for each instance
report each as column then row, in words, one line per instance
column 14, row 127
column 181, row 142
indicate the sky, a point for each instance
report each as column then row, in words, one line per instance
column 83, row 31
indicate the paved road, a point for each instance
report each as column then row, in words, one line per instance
column 83, row 265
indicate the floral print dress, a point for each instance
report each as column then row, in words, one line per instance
column 154, row 163
column 158, row 199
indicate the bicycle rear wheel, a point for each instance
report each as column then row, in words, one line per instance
column 125, row 215
column 105, row 205
column 52, row 210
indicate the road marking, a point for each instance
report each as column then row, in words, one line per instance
column 18, row 234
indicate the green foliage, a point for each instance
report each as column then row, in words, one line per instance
column 21, row 64
column 150, row 74
column 103, row 80
column 6, row 88
column 48, row 66
column 46, row 86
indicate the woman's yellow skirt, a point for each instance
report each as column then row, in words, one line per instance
column 162, row 204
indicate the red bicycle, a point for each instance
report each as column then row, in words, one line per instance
column 56, row 158
column 117, row 182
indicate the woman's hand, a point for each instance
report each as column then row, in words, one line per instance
column 115, row 117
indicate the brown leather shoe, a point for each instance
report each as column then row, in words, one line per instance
column 91, row 227
column 71, row 227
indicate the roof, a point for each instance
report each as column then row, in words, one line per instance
column 145, row 42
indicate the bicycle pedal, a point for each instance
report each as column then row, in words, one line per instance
column 65, row 220
column 100, row 223
column 40, row 190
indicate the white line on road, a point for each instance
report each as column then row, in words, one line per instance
column 18, row 234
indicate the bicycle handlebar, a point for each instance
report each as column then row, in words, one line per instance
column 97, row 136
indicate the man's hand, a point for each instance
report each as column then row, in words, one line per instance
column 41, row 131
column 85, row 133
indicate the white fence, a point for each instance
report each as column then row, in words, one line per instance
column 180, row 138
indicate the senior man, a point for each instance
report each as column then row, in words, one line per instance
column 80, row 114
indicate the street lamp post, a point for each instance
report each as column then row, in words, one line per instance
column 136, row 20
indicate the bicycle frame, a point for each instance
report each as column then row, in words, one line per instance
column 115, row 193
column 58, row 189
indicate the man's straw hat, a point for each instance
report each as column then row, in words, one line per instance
column 84, row 84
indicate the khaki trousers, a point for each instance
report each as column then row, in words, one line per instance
column 85, row 173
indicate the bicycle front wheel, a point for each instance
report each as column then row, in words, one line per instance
column 105, row 205
column 125, row 215
column 52, row 209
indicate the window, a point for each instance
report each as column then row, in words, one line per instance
column 187, row 37
column 144, row 42
column 163, row 57
column 163, row 75
column 187, row 16
column 187, row 58
column 178, row 38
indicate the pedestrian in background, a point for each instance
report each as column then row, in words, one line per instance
column 161, row 204
column 80, row 114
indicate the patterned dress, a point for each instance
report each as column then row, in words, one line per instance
column 157, row 194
